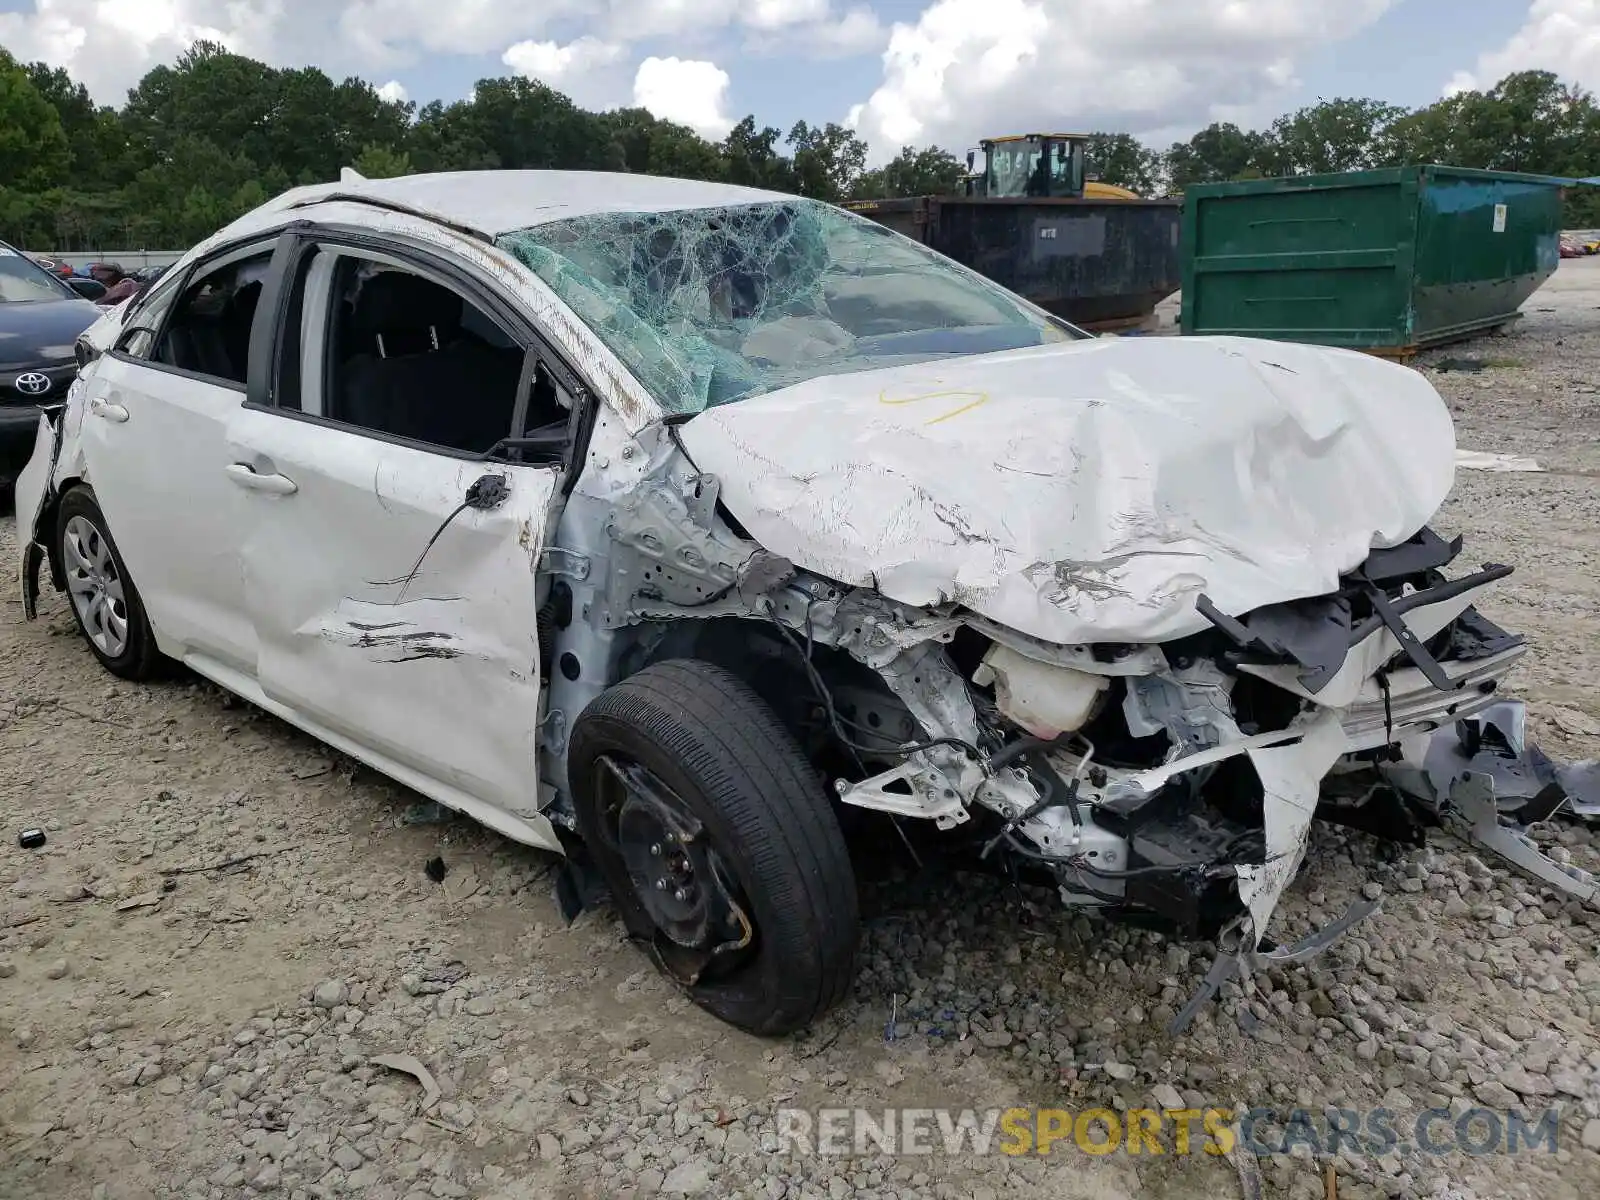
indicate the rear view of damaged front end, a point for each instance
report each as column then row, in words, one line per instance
column 1176, row 783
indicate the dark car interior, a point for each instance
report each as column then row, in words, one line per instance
column 405, row 356
column 209, row 331
column 412, row 358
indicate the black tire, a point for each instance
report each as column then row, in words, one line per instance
column 706, row 735
column 139, row 659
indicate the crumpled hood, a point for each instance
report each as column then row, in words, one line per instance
column 1089, row 491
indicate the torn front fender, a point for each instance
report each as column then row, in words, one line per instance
column 35, row 497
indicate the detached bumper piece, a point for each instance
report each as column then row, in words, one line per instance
column 1235, row 958
column 1487, row 785
column 1478, row 779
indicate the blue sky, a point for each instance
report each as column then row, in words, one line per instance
column 1410, row 53
column 946, row 71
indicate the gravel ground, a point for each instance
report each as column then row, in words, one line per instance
column 171, row 1026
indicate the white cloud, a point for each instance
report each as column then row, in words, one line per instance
column 1558, row 35
column 814, row 28
column 583, row 69
column 967, row 69
column 386, row 31
column 394, row 91
column 687, row 91
column 775, row 14
column 857, row 31
column 108, row 45
column 551, row 61
column 636, row 20
column 386, row 27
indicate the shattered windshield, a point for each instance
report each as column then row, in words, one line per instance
column 708, row 306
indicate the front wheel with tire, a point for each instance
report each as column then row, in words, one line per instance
column 105, row 603
column 719, row 844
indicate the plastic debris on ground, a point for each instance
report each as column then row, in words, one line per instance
column 1484, row 460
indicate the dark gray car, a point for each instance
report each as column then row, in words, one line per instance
column 40, row 320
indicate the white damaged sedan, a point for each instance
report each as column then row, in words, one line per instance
column 681, row 528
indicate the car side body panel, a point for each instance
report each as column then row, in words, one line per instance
column 389, row 612
column 153, row 444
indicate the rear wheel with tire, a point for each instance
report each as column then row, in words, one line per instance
column 719, row 844
column 104, row 601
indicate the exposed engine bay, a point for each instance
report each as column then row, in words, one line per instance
column 1173, row 784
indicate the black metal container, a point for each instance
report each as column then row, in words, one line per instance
column 1097, row 263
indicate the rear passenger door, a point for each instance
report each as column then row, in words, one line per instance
column 154, row 433
column 390, row 559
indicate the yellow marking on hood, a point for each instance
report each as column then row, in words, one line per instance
column 974, row 399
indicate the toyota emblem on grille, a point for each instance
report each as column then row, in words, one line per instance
column 33, row 383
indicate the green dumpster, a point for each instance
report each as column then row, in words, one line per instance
column 1388, row 261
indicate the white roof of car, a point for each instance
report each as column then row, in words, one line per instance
column 496, row 202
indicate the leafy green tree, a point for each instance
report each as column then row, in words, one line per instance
column 20, row 217
column 1426, row 135
column 213, row 134
column 528, row 125
column 827, row 159
column 1120, row 159
column 912, row 172
column 1529, row 121
column 210, row 93
column 97, row 141
column 380, row 162
column 751, row 158
column 640, row 142
column 174, row 198
column 298, row 120
column 1217, row 153
column 450, row 138
column 33, row 147
column 1332, row 135
column 315, row 126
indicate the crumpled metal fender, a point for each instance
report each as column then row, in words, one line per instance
column 36, row 493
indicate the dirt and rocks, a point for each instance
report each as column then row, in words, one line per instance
column 228, row 925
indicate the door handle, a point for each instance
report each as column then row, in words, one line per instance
column 104, row 409
column 246, row 477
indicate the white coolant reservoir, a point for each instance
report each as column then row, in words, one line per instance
column 1045, row 700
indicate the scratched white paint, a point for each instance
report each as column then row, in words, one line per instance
column 496, row 202
column 1088, row 492
column 433, row 664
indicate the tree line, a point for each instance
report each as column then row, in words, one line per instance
column 213, row 135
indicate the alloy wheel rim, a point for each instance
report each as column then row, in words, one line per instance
column 95, row 586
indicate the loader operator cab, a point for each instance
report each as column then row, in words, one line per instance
column 1029, row 164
